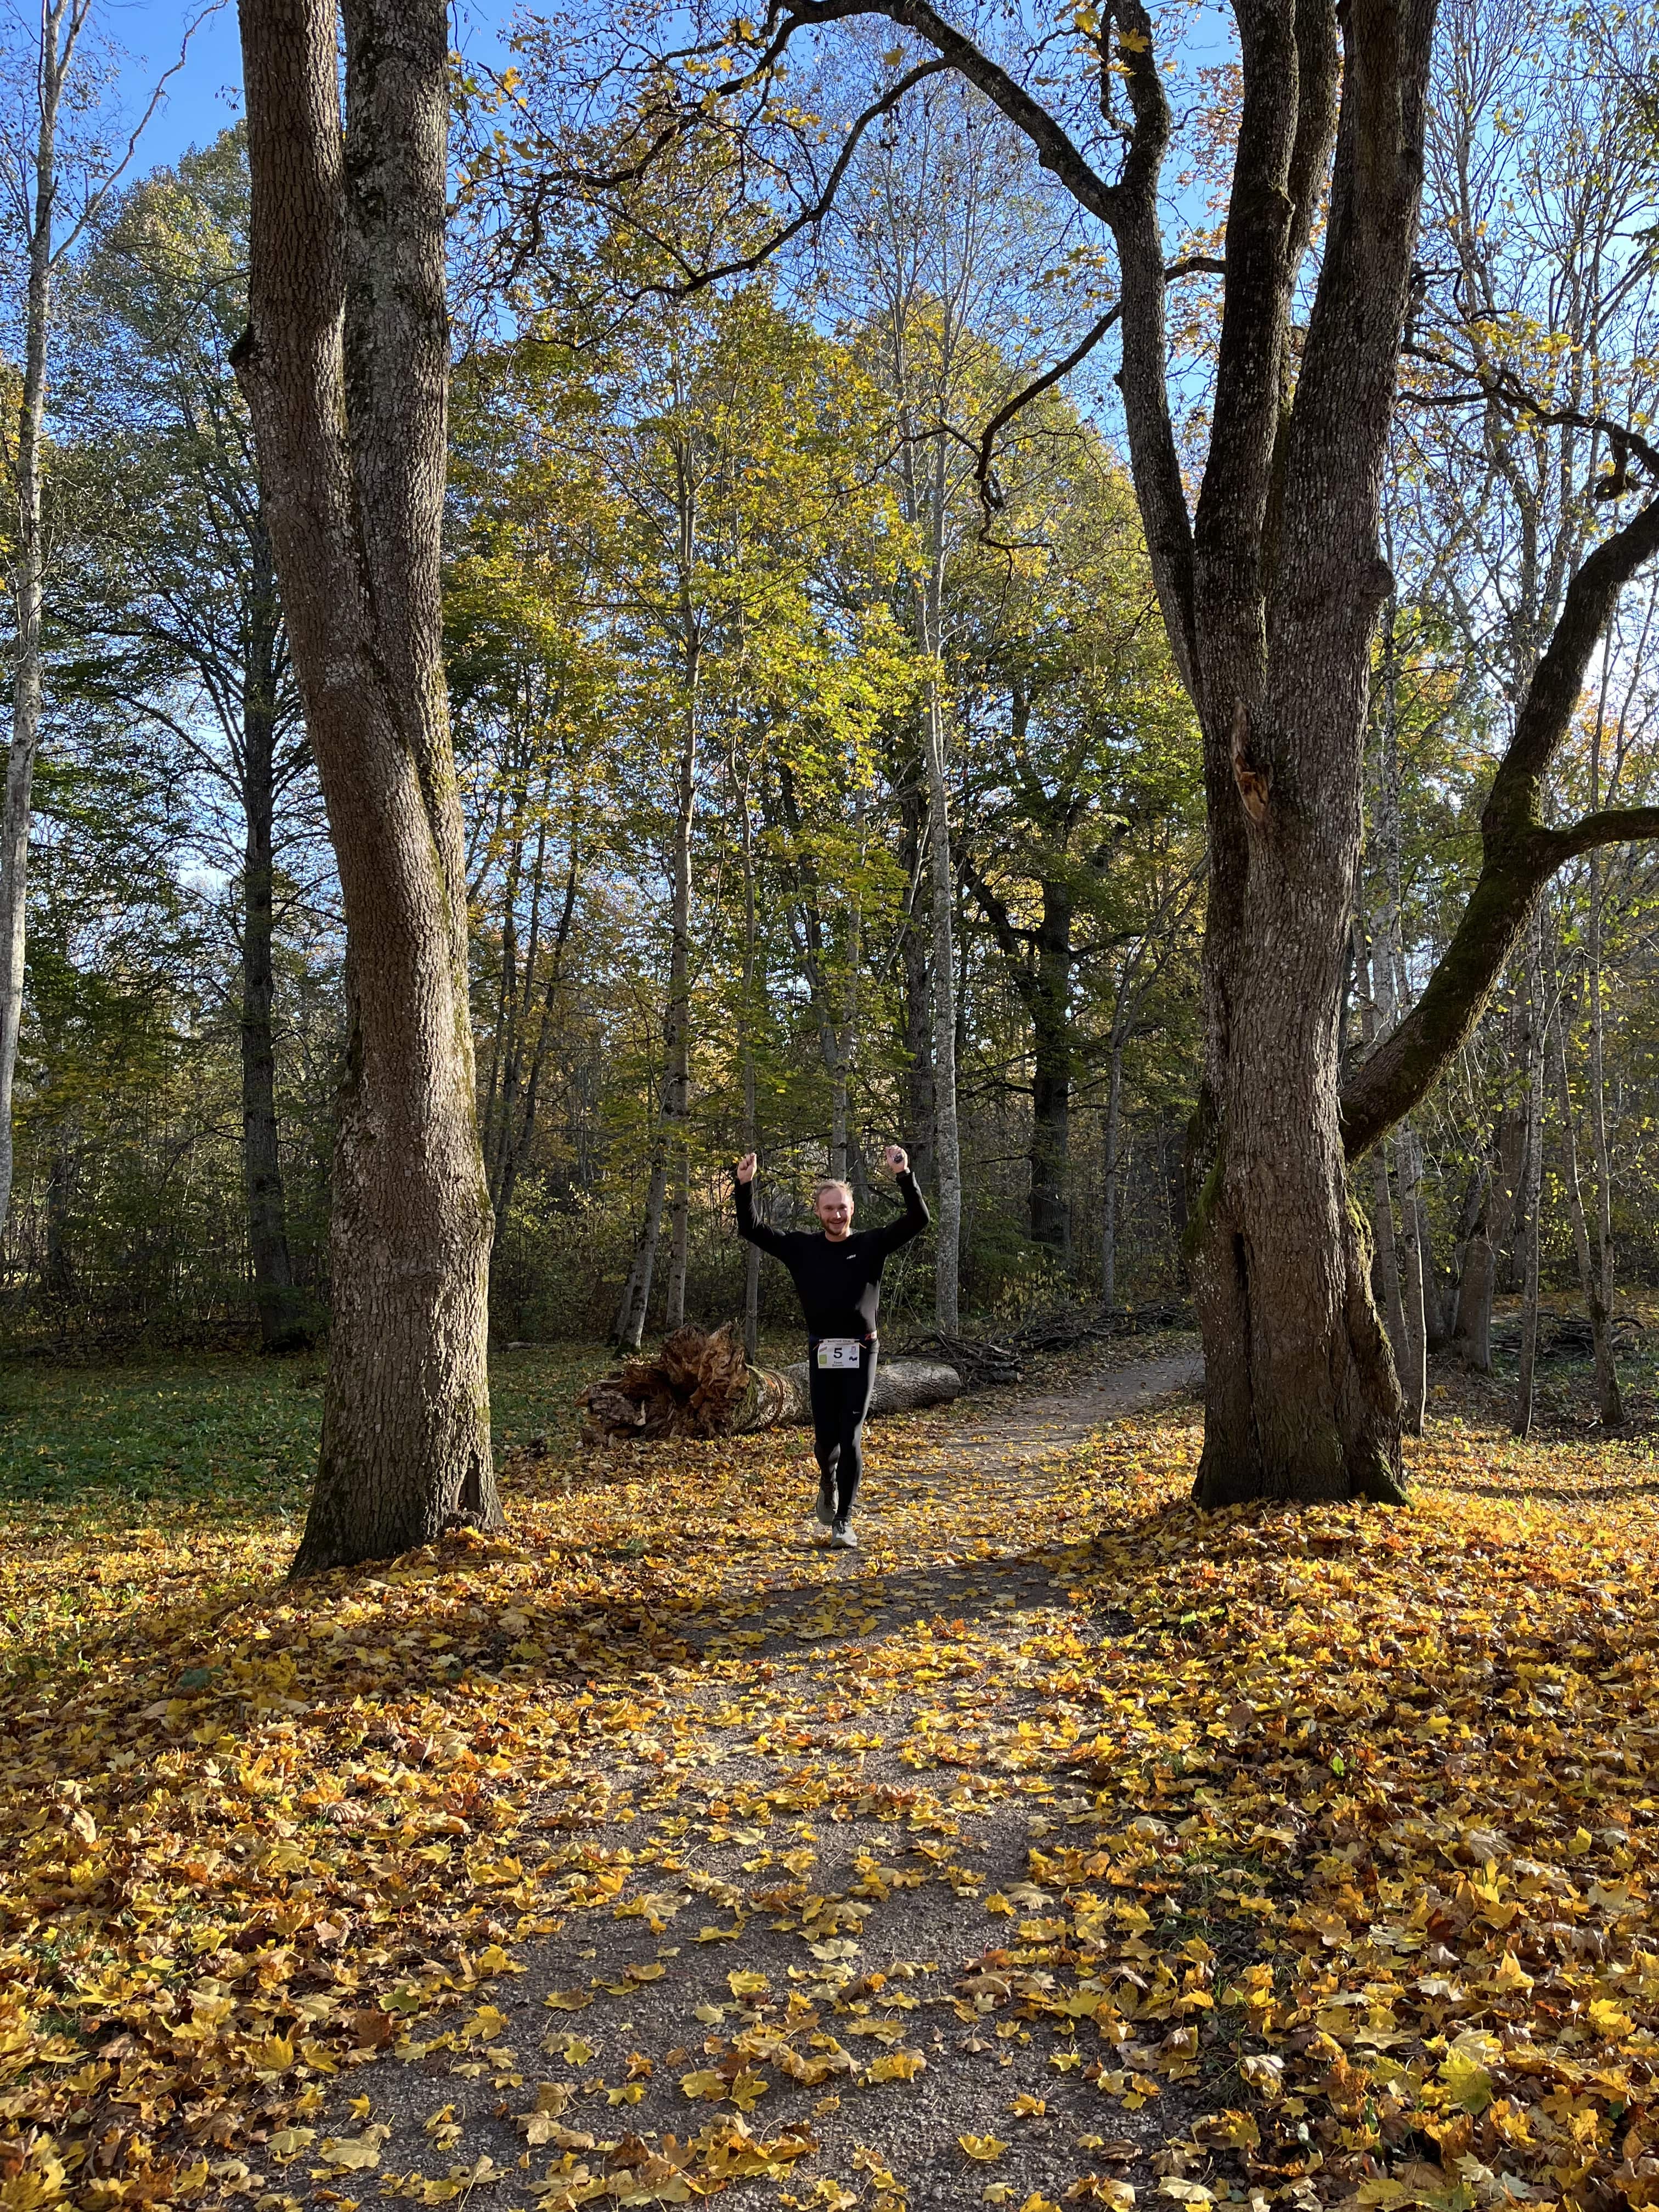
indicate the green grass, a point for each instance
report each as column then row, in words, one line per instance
column 221, row 1439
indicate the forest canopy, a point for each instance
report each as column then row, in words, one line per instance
column 754, row 583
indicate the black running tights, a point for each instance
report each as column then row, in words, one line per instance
column 840, row 1398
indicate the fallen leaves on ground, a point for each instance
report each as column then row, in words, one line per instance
column 1341, row 1831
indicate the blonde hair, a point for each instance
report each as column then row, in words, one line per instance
column 830, row 1182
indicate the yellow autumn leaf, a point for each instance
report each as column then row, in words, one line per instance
column 985, row 2148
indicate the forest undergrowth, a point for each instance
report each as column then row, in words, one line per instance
column 1060, row 1846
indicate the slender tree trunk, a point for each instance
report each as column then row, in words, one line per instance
column 518, row 1134
column 1532, row 1194
column 1050, row 1003
column 59, row 28
column 947, row 1154
column 677, row 1103
column 282, row 1326
column 636, row 1291
column 1385, row 1257
column 1413, row 1377
column 751, row 1118
column 1611, row 1404
column 345, row 366
column 1471, row 1335
column 1607, row 1377
column 918, row 1039
column 1109, row 1169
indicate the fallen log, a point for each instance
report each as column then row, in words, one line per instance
column 699, row 1384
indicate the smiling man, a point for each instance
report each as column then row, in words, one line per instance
column 837, row 1274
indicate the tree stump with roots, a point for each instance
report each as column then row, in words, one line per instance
column 698, row 1383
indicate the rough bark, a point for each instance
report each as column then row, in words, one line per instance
column 1302, row 1399
column 345, row 367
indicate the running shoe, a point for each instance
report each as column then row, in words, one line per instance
column 824, row 1510
column 844, row 1534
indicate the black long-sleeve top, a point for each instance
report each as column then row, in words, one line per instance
column 839, row 1283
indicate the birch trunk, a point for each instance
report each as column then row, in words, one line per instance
column 345, row 367
column 60, row 26
column 947, row 1151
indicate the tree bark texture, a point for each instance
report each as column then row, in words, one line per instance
column 1276, row 590
column 345, row 367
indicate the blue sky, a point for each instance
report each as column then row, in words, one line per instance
column 206, row 94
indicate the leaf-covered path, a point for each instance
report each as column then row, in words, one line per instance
column 1059, row 1843
column 856, row 1822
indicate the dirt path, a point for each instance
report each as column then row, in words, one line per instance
column 767, row 1896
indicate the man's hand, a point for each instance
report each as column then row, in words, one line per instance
column 745, row 1167
column 897, row 1159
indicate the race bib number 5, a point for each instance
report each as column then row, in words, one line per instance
column 839, row 1352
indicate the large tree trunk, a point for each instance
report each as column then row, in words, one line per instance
column 345, row 366
column 282, row 1323
column 1302, row 1401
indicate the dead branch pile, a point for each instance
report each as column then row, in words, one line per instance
column 698, row 1383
